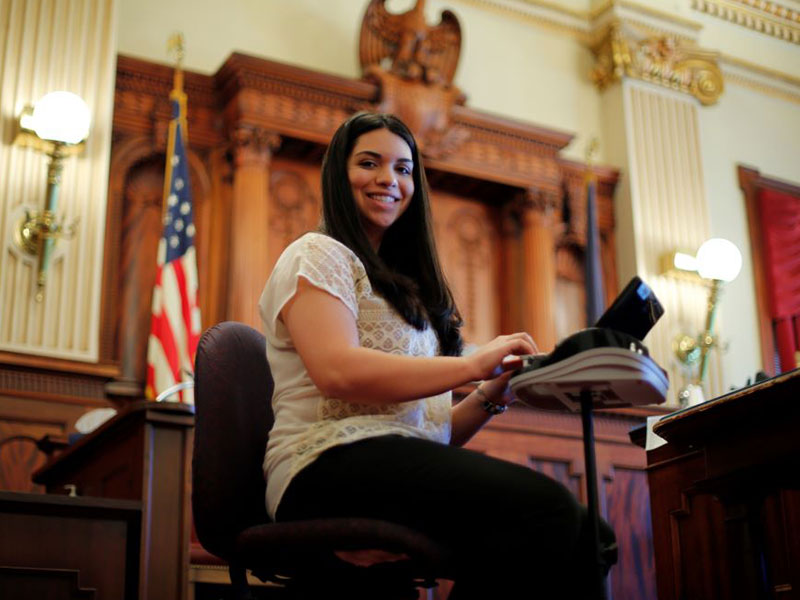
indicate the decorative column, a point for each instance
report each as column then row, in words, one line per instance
column 249, row 232
column 655, row 80
column 529, row 272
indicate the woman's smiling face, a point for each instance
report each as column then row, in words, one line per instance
column 380, row 169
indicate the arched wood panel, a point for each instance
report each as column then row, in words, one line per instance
column 19, row 457
column 134, row 227
column 468, row 240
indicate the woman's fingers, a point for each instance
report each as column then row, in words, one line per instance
column 523, row 343
column 504, row 353
column 532, row 343
column 511, row 363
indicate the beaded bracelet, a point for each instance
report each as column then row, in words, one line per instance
column 493, row 408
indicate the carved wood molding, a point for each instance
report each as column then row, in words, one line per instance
column 306, row 105
column 571, row 243
column 292, row 199
column 532, row 202
column 417, row 83
column 295, row 102
column 141, row 103
column 505, row 151
column 288, row 100
column 36, row 382
column 573, row 175
column 418, row 51
column 253, row 145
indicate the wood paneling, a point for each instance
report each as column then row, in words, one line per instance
column 58, row 547
column 551, row 443
column 257, row 160
column 468, row 239
column 23, row 421
column 142, row 454
column 724, row 497
column 20, row 583
column 628, row 509
column 296, row 199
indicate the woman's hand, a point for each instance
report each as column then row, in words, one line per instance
column 497, row 389
column 488, row 360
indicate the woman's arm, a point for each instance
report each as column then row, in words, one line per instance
column 468, row 416
column 325, row 335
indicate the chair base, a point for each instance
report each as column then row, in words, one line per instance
column 383, row 581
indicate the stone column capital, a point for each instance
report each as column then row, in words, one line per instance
column 669, row 60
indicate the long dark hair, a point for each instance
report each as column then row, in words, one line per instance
column 406, row 269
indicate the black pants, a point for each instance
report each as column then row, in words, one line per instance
column 515, row 533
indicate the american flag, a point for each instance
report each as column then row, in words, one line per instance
column 175, row 324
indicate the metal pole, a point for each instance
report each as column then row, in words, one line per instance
column 591, row 491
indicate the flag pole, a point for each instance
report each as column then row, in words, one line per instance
column 175, row 321
column 176, row 51
column 595, row 301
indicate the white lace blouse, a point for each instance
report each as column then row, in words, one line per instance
column 306, row 422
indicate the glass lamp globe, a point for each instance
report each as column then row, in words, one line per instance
column 719, row 259
column 61, row 117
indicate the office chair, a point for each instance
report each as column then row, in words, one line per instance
column 233, row 390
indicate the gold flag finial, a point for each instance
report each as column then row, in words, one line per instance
column 592, row 147
column 175, row 49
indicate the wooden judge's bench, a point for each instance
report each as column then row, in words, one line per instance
column 724, row 496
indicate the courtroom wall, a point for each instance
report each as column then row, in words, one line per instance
column 49, row 45
column 762, row 131
column 508, row 65
column 527, row 60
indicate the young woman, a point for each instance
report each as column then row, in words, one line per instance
column 364, row 345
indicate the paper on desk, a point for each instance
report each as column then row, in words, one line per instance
column 91, row 420
column 652, row 440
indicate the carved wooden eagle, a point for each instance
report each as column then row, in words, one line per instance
column 416, row 50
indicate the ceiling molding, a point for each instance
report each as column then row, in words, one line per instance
column 544, row 14
column 583, row 25
column 770, row 18
column 760, row 79
column 591, row 27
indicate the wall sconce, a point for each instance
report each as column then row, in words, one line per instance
column 57, row 125
column 718, row 261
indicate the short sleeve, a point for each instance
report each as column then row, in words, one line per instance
column 323, row 262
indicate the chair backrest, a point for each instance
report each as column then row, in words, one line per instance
column 233, row 416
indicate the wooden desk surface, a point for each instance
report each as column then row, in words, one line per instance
column 166, row 413
column 775, row 398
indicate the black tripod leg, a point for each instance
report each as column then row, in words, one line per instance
column 591, row 490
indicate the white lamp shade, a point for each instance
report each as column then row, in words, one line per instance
column 719, row 259
column 61, row 117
